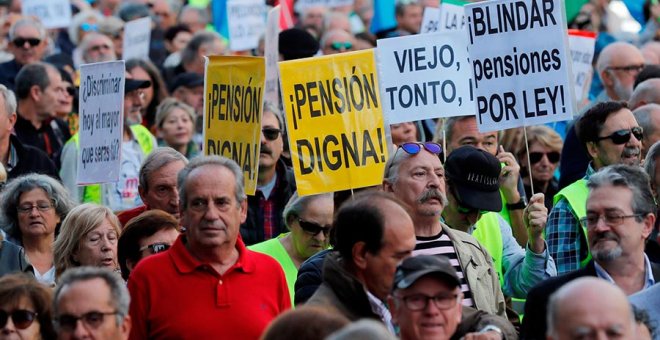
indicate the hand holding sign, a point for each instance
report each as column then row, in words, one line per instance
column 509, row 175
column 535, row 218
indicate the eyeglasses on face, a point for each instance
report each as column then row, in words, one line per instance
column 417, row 302
column 20, row 42
column 93, row 319
column 623, row 136
column 339, row 45
column 627, row 68
column 313, row 228
column 27, row 208
column 98, row 48
column 535, row 157
column 271, row 134
column 611, row 219
column 156, row 248
column 71, row 90
column 21, row 318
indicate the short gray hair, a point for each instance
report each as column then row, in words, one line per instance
column 118, row 291
column 298, row 204
column 203, row 15
column 10, row 99
column 78, row 20
column 649, row 161
column 201, row 161
column 272, row 108
column 189, row 53
column 631, row 177
column 27, row 21
column 157, row 159
column 391, row 172
column 643, row 117
column 12, row 192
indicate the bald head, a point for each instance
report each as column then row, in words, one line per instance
column 618, row 65
column 651, row 52
column 648, row 117
column 589, row 306
column 647, row 92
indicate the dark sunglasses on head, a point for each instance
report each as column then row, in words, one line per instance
column 87, row 27
column 271, row 134
column 21, row 318
column 535, row 157
column 414, row 148
column 338, row 45
column 156, row 248
column 623, row 136
column 20, row 42
column 313, row 227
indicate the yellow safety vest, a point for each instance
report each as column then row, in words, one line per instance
column 576, row 194
column 487, row 232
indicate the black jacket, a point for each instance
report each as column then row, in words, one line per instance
column 252, row 231
column 534, row 323
column 55, row 130
column 8, row 72
column 31, row 160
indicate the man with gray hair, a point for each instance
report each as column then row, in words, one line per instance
column 651, row 164
column 157, row 183
column 646, row 92
column 196, row 18
column 648, row 117
column 96, row 48
column 248, row 289
column 590, row 308
column 28, row 43
column 96, row 297
column 16, row 157
column 620, row 214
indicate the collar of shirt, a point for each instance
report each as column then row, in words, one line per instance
column 379, row 308
column 648, row 273
column 12, row 160
column 186, row 263
column 590, row 171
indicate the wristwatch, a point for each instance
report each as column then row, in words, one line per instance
column 493, row 328
column 517, row 206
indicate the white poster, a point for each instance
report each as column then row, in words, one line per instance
column 452, row 16
column 101, row 121
column 52, row 13
column 302, row 4
column 137, row 38
column 272, row 55
column 247, row 22
column 582, row 44
column 424, row 76
column 520, row 63
column 430, row 20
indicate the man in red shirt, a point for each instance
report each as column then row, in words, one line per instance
column 208, row 285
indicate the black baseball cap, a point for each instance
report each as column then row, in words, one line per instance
column 416, row 267
column 134, row 84
column 188, row 80
column 475, row 176
column 295, row 43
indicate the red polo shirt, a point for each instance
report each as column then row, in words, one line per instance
column 175, row 296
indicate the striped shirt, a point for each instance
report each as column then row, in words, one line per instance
column 441, row 245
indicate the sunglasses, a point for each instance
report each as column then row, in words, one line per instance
column 20, row 42
column 414, row 148
column 87, row 27
column 21, row 318
column 71, row 91
column 156, row 248
column 338, row 45
column 535, row 157
column 271, row 134
column 623, row 136
column 313, row 228
column 93, row 319
column 628, row 68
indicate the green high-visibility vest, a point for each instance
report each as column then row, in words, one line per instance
column 92, row 193
column 488, row 233
column 576, row 194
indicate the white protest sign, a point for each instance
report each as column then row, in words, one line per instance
column 137, row 37
column 452, row 15
column 246, row 22
column 303, row 4
column 424, row 76
column 582, row 44
column 519, row 55
column 101, row 122
column 272, row 54
column 52, row 13
column 430, row 20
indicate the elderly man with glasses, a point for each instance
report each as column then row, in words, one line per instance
column 27, row 42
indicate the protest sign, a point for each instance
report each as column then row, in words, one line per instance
column 247, row 22
column 430, row 20
column 302, row 4
column 582, row 44
column 520, row 63
column 101, row 128
column 137, row 37
column 272, row 55
column 334, row 121
column 424, row 76
column 52, row 13
column 233, row 101
column 452, row 15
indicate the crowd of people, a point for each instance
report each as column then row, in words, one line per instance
column 541, row 232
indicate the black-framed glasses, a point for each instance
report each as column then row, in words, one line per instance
column 98, row 48
column 93, row 319
column 535, row 157
column 71, row 90
column 313, row 228
column 627, row 68
column 271, row 134
column 156, row 248
column 21, row 318
column 41, row 206
column 414, row 148
column 611, row 219
column 20, row 42
column 623, row 136
column 339, row 45
column 417, row 302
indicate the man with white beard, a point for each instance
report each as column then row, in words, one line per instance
column 618, row 65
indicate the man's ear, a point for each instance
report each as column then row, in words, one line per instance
column 387, row 186
column 592, row 149
column 606, row 77
column 35, row 92
column 359, row 252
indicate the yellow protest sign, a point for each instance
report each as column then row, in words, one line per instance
column 334, row 121
column 232, row 104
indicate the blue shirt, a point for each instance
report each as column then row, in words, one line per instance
column 648, row 280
